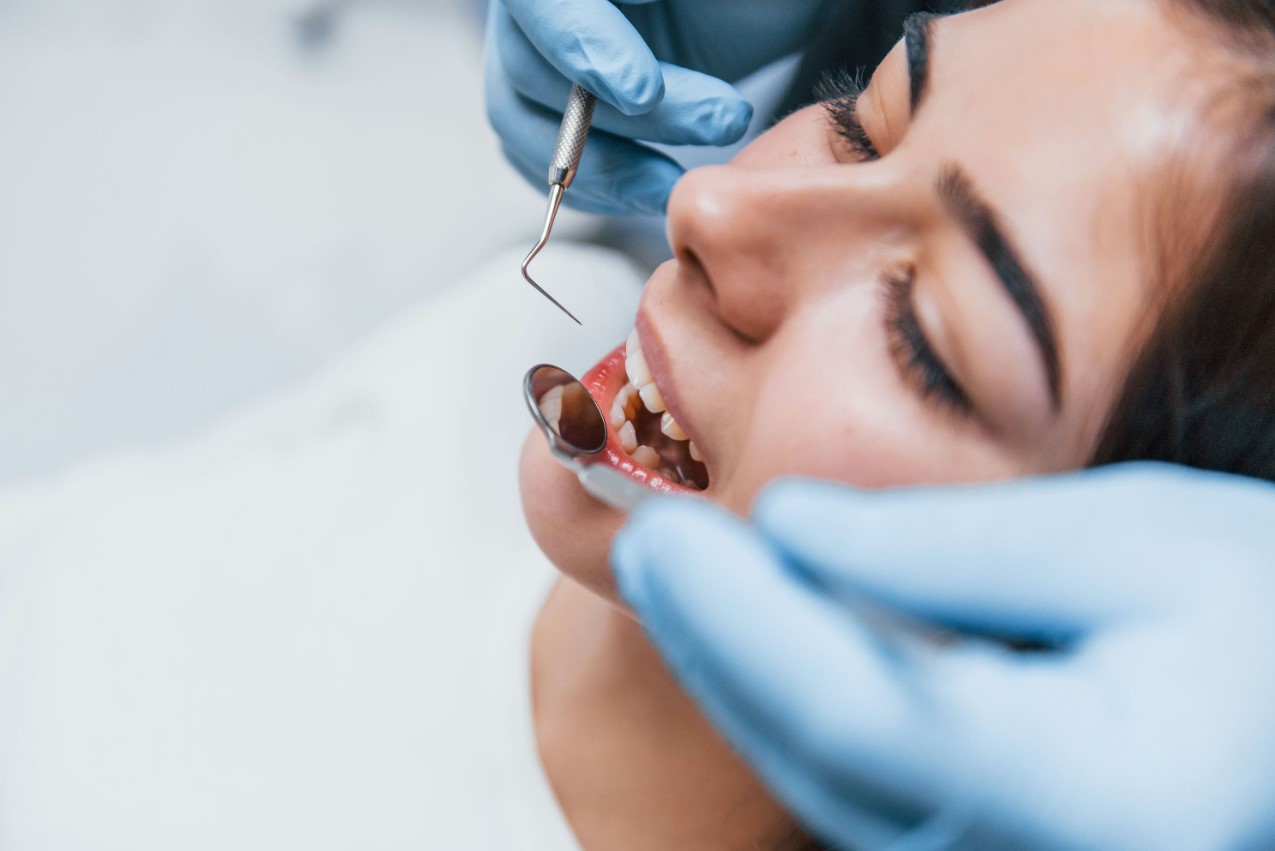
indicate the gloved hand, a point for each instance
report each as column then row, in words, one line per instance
column 658, row 68
column 1150, row 723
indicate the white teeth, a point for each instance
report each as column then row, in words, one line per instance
column 551, row 405
column 669, row 426
column 639, row 373
column 628, row 398
column 628, row 437
column 641, row 391
column 618, row 417
column 646, row 456
column 652, row 399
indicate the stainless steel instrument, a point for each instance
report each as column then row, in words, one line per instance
column 562, row 170
column 573, row 423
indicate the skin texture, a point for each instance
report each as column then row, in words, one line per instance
column 768, row 336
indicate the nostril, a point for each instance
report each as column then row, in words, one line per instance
column 732, row 261
column 748, row 333
column 688, row 258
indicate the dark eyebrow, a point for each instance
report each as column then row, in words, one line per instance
column 982, row 225
column 917, row 36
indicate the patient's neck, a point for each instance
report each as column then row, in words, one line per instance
column 632, row 761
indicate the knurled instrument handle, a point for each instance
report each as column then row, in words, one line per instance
column 571, row 136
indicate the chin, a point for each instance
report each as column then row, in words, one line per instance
column 571, row 527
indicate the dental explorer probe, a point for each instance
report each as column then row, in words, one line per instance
column 562, row 170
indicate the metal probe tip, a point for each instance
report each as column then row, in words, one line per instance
column 555, row 200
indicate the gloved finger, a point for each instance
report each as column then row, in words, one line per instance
column 697, row 109
column 616, row 177
column 862, row 742
column 1041, row 559
column 980, row 725
column 792, row 682
column 583, row 195
column 592, row 44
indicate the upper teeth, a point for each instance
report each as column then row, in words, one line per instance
column 643, row 386
column 640, row 375
column 635, row 363
column 652, row 399
column 669, row 426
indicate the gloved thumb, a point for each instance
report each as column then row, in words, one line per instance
column 1046, row 559
column 797, row 687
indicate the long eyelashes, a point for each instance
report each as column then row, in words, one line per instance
column 911, row 350
column 838, row 93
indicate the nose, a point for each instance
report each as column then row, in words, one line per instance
column 767, row 240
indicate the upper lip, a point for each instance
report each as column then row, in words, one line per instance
column 657, row 360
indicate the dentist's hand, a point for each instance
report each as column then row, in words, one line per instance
column 1149, row 724
column 658, row 68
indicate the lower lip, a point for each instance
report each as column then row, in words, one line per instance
column 604, row 382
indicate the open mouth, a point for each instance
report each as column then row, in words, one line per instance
column 644, row 439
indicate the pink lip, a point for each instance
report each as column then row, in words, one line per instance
column 604, row 382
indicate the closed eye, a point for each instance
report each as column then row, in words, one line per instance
column 912, row 352
column 838, row 94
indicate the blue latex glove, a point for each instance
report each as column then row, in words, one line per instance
column 1153, row 725
column 658, row 68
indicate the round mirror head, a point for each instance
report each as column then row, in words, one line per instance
column 565, row 411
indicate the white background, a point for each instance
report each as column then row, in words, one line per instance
column 196, row 209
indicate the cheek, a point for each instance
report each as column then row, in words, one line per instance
column 831, row 405
column 828, row 405
column 572, row 528
column 865, row 442
column 868, row 442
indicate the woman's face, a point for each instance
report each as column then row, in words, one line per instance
column 949, row 290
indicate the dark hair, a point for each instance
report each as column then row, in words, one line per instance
column 1201, row 391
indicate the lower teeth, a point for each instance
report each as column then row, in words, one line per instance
column 647, row 457
column 645, row 437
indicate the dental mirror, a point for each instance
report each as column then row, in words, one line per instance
column 565, row 411
column 573, row 424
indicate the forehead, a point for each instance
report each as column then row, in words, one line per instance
column 1067, row 116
